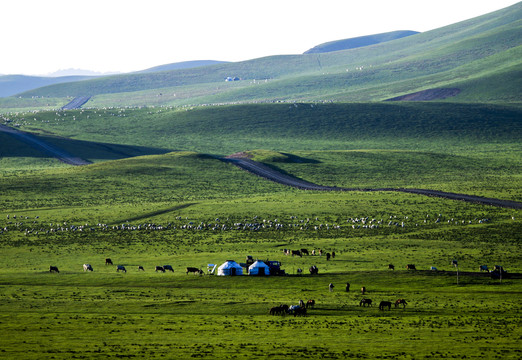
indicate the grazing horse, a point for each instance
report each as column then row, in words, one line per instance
column 108, row 261
column 299, row 311
column 87, row 267
column 310, row 304
column 365, row 302
column 194, row 270
column 168, row 267
column 385, row 304
column 121, row 268
column 399, row 302
column 276, row 310
column 53, row 269
column 363, row 290
column 411, row 267
column 391, row 267
column 140, row 268
column 160, row 268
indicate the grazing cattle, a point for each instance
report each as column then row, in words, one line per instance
column 410, row 267
column 121, row 268
column 363, row 290
column 140, row 268
column 53, row 269
column 385, row 304
column 433, row 268
column 310, row 304
column 399, row 302
column 194, row 270
column 301, row 303
column 365, row 302
column 328, row 256
column 299, row 271
column 304, row 252
column 160, row 268
column 87, row 267
column 297, row 253
column 391, row 267
column 483, row 268
column 314, row 270
column 333, row 254
column 168, row 267
column 108, row 261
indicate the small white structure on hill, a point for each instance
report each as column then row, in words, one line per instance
column 259, row 268
column 230, row 268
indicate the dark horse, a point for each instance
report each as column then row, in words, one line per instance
column 399, row 302
column 365, row 302
column 385, row 304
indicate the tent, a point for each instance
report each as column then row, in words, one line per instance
column 259, row 268
column 230, row 267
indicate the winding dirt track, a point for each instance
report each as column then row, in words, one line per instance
column 45, row 147
column 264, row 171
column 278, row 177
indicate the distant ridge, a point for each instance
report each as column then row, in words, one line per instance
column 14, row 84
column 182, row 65
column 360, row 41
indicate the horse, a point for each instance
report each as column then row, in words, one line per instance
column 299, row 311
column 276, row 310
column 365, row 302
column 384, row 304
column 399, row 302
column 310, row 304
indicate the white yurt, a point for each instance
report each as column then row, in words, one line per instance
column 258, row 268
column 230, row 268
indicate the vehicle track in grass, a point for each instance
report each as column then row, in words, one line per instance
column 44, row 146
column 271, row 174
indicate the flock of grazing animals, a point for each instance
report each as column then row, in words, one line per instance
column 108, row 261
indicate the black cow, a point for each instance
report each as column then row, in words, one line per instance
column 194, row 270
column 391, row 267
column 108, row 261
column 53, row 269
column 140, row 268
column 313, row 270
column 121, row 268
column 410, row 267
column 160, row 268
column 297, row 253
column 304, row 252
column 168, row 267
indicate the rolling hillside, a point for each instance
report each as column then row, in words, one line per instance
column 14, row 84
column 455, row 54
column 360, row 41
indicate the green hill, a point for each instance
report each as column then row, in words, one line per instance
column 455, row 54
column 360, row 41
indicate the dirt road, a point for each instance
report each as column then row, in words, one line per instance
column 43, row 146
column 276, row 176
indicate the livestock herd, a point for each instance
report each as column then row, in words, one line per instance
column 108, row 261
column 33, row 225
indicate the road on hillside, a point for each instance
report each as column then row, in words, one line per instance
column 266, row 172
column 43, row 146
column 76, row 103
